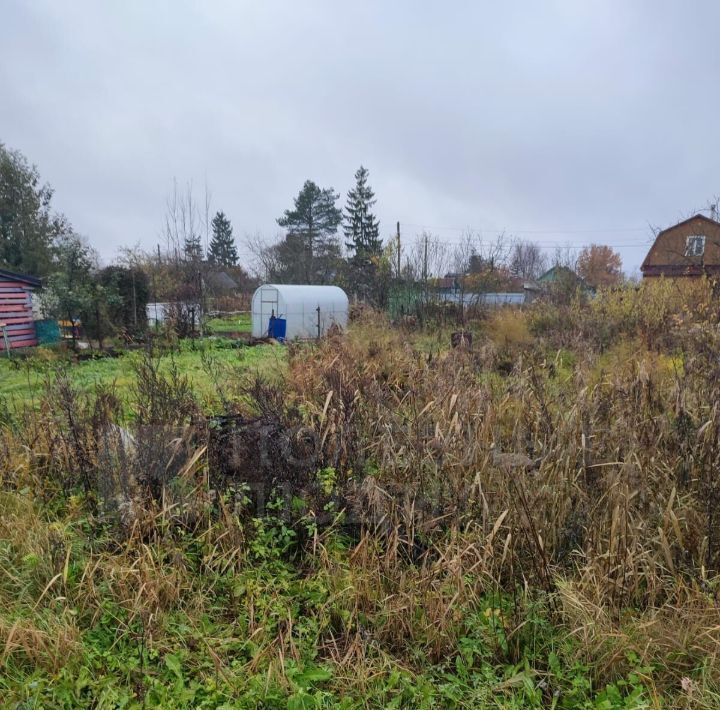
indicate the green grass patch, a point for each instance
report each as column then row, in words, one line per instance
column 230, row 324
column 22, row 381
column 218, row 643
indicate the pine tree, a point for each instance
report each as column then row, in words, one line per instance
column 362, row 230
column 193, row 247
column 222, row 246
column 310, row 251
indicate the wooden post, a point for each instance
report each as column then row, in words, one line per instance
column 134, row 299
column 426, row 297
column 154, row 287
column 201, row 305
column 398, row 249
column 6, row 340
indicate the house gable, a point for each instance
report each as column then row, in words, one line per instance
column 674, row 253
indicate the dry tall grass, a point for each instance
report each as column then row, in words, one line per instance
column 619, row 515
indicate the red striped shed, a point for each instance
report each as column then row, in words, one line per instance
column 16, row 316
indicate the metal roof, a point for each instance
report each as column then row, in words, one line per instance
column 23, row 278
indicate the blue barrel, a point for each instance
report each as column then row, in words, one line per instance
column 277, row 327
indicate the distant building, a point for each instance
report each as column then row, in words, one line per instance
column 220, row 283
column 565, row 278
column 557, row 281
column 157, row 312
column 560, row 274
column 485, row 298
column 17, row 326
column 688, row 249
column 493, row 288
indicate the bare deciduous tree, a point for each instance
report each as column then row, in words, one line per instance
column 527, row 260
column 182, row 224
column 264, row 256
column 565, row 256
column 427, row 257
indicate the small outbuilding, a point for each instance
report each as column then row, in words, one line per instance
column 17, row 326
column 561, row 279
column 220, row 283
column 287, row 312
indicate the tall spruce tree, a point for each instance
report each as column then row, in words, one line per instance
column 362, row 230
column 222, row 245
column 310, row 251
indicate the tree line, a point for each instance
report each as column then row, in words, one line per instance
column 311, row 252
column 321, row 243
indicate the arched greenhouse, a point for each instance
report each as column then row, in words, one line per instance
column 287, row 312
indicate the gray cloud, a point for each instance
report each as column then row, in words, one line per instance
column 583, row 118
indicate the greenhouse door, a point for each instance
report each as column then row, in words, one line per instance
column 268, row 307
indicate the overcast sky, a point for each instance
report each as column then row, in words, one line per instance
column 564, row 121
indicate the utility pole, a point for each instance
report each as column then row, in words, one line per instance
column 425, row 271
column 398, row 250
column 154, row 286
column 201, row 303
column 425, row 265
column 134, row 297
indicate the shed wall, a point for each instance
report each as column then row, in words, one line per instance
column 16, row 313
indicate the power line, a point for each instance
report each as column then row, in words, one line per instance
column 547, row 245
column 645, row 243
column 470, row 228
column 560, row 245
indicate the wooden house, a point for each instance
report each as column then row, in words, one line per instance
column 688, row 249
column 17, row 327
column 556, row 280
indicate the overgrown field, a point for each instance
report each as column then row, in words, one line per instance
column 388, row 523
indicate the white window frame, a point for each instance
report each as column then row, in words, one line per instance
column 695, row 245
